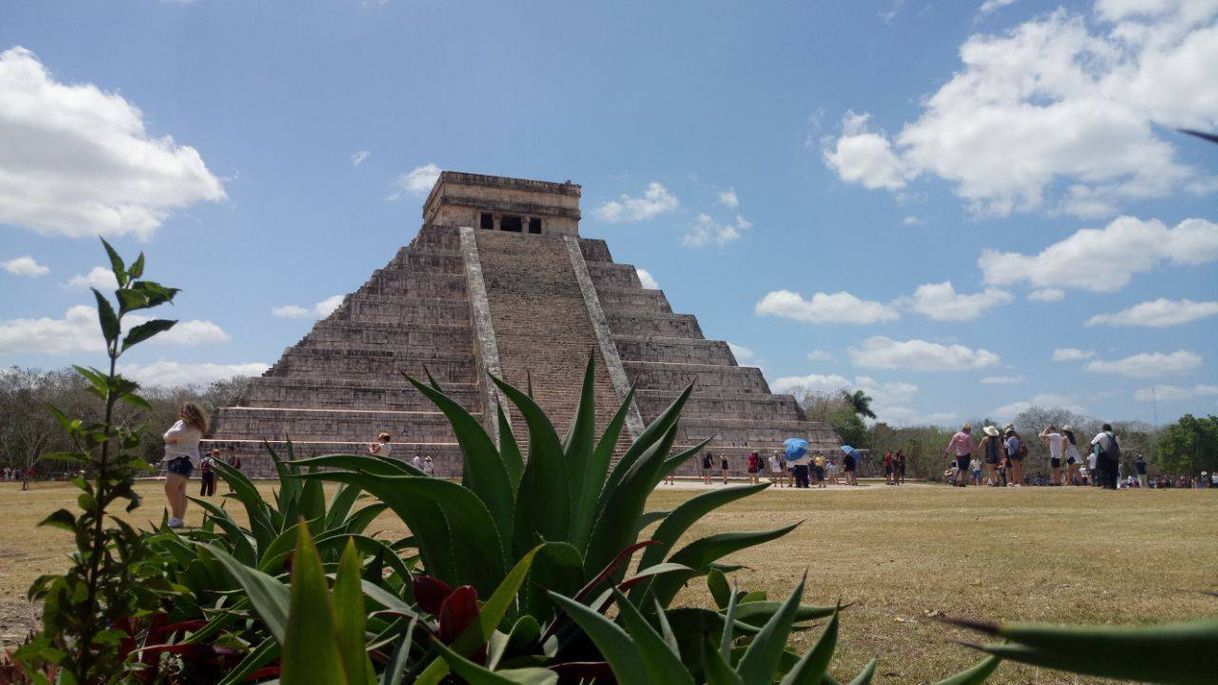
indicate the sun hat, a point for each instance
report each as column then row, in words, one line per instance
column 966, row 427
column 990, row 431
column 1068, row 428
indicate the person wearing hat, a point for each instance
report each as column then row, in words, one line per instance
column 961, row 445
column 429, row 469
column 991, row 447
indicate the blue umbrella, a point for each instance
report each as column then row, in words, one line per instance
column 795, row 448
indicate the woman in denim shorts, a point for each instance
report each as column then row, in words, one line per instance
column 181, row 454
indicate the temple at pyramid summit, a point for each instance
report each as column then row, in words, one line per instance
column 499, row 281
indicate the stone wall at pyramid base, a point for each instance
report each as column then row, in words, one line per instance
column 256, row 461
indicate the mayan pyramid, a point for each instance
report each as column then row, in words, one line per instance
column 498, row 280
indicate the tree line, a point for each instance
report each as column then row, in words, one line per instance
column 28, row 430
column 30, row 435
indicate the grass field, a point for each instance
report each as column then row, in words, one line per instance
column 900, row 555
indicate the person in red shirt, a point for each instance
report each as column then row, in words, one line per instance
column 754, row 467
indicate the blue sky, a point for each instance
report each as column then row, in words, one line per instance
column 806, row 178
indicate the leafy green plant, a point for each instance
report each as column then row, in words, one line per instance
column 1184, row 653
column 92, row 612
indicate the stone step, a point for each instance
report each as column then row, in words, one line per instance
column 393, row 394
column 653, row 403
column 257, row 463
column 654, row 324
column 619, row 301
column 659, row 375
column 332, row 424
column 595, row 250
column 611, row 275
column 677, row 350
column 371, row 365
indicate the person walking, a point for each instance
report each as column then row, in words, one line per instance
column 776, row 475
column 1107, row 450
column 1139, row 465
column 723, row 467
column 961, row 445
column 1056, row 442
column 181, row 456
column 207, row 474
column 888, row 467
column 708, row 460
column 900, row 467
column 974, row 467
column 754, row 466
column 1073, row 461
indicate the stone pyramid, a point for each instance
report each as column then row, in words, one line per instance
column 498, row 280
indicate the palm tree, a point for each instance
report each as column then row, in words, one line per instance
column 860, row 402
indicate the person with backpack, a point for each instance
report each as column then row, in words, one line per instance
column 1107, row 450
column 1016, row 451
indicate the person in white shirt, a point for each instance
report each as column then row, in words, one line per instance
column 381, row 448
column 1104, row 445
column 776, row 475
column 417, row 462
column 1056, row 442
column 429, row 468
column 181, row 457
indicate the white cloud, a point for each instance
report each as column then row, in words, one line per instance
column 863, row 156
column 656, row 200
column 1105, row 259
column 175, row 374
column 647, row 279
column 728, row 198
column 819, row 356
column 98, row 277
column 992, row 5
column 911, row 221
column 359, row 157
column 318, row 311
column 1148, row 364
column 802, row 386
column 920, row 355
column 890, row 401
column 77, row 161
column 1174, row 393
column 1002, row 380
column 1047, row 295
column 840, row 307
column 78, row 331
column 1053, row 115
column 941, row 302
column 1157, row 314
column 1043, row 400
column 1071, row 354
column 706, row 231
column 25, row 266
column 743, row 354
column 418, row 182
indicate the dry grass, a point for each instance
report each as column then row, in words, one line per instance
column 899, row 554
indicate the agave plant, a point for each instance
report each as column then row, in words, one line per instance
column 209, row 566
column 581, row 513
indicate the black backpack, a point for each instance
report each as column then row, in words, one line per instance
column 1114, row 450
